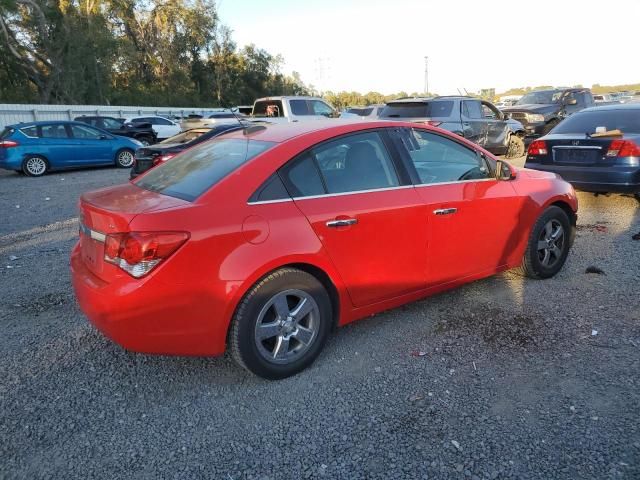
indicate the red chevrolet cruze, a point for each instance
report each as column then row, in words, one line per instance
column 265, row 239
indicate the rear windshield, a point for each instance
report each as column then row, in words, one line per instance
column 628, row 121
column 438, row 109
column 268, row 108
column 6, row 133
column 196, row 170
column 363, row 112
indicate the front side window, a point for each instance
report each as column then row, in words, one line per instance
column 197, row 169
column 439, row 160
column 53, row 131
column 321, row 108
column 354, row 163
column 110, row 123
column 86, row 133
column 472, row 109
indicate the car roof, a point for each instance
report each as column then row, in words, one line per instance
column 616, row 106
column 281, row 132
column 46, row 122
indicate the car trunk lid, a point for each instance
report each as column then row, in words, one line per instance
column 579, row 150
column 111, row 210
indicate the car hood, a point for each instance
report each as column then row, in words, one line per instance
column 533, row 108
column 536, row 173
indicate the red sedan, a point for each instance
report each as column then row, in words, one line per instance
column 265, row 239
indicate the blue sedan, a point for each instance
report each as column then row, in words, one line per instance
column 38, row 147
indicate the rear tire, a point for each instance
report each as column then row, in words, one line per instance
column 146, row 141
column 35, row 166
column 281, row 324
column 124, row 158
column 515, row 148
column 548, row 244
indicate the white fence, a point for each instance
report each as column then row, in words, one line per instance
column 17, row 113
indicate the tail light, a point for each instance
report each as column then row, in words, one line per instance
column 538, row 147
column 623, row 148
column 8, row 144
column 137, row 253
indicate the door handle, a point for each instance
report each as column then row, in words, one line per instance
column 445, row 211
column 342, row 223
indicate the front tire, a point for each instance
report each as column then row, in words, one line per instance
column 124, row 158
column 548, row 244
column 281, row 324
column 35, row 166
column 515, row 148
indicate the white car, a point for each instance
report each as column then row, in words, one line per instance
column 363, row 113
column 163, row 127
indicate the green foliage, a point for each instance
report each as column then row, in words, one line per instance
column 142, row 52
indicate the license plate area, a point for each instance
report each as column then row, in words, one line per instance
column 576, row 156
column 92, row 253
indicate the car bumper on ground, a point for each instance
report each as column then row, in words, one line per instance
column 150, row 316
column 615, row 179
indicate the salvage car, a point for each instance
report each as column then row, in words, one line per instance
column 263, row 240
column 151, row 156
column 163, row 127
column 540, row 111
column 36, row 148
column 474, row 119
column 596, row 150
column 142, row 132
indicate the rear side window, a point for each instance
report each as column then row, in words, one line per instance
column 302, row 177
column 268, row 108
column 355, row 163
column 196, row 170
column 53, row 131
column 272, row 189
column 30, row 131
column 299, row 107
column 435, row 109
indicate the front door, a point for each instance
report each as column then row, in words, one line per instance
column 473, row 216
column 497, row 130
column 93, row 145
column 372, row 226
column 474, row 126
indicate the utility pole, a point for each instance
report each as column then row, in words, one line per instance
column 426, row 75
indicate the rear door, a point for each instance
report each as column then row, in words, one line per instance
column 369, row 218
column 473, row 215
column 60, row 149
column 474, row 126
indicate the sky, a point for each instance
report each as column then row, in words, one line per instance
column 377, row 45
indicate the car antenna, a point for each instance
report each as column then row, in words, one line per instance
column 247, row 129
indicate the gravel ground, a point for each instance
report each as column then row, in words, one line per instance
column 502, row 378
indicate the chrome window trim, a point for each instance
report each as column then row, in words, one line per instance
column 21, row 130
column 325, row 195
column 492, row 179
column 95, row 235
column 266, row 202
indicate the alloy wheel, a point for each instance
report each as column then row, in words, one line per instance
column 125, row 158
column 551, row 243
column 36, row 166
column 287, row 326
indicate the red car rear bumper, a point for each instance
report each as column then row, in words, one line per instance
column 134, row 314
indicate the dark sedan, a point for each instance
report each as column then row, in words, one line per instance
column 149, row 157
column 596, row 150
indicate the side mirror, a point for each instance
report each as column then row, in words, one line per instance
column 504, row 171
column 571, row 101
column 103, row 137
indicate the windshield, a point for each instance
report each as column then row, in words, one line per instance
column 627, row 121
column 196, row 170
column 439, row 109
column 543, row 97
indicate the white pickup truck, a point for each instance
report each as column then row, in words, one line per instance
column 292, row 109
